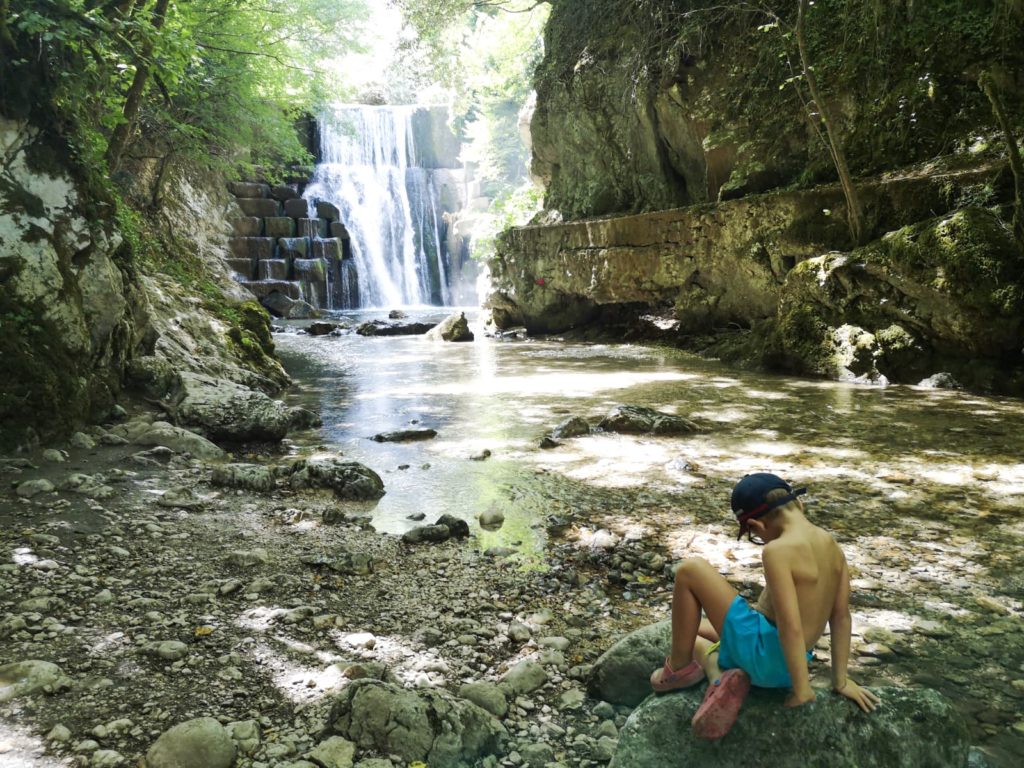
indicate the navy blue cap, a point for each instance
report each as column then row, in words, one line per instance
column 748, row 497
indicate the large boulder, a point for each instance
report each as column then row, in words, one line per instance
column 349, row 480
column 634, row 419
column 913, row 728
column 229, row 411
column 942, row 295
column 429, row 725
column 622, row 674
column 452, row 328
column 177, row 439
column 199, row 743
column 25, row 678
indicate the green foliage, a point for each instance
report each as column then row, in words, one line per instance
column 227, row 76
column 511, row 208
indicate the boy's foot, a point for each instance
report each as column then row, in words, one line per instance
column 721, row 706
column 668, row 679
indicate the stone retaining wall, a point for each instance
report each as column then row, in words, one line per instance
column 284, row 245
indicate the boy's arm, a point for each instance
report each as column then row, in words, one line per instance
column 778, row 576
column 839, row 626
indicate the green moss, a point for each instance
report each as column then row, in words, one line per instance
column 970, row 255
column 39, row 386
column 805, row 340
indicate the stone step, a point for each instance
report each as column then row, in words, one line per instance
column 279, row 226
column 293, row 247
column 283, row 192
column 247, row 226
column 263, row 288
column 338, row 230
column 328, row 248
column 312, row 276
column 312, row 227
column 297, row 208
column 249, row 189
column 244, row 267
column 254, row 248
column 326, row 210
column 259, row 206
column 272, row 269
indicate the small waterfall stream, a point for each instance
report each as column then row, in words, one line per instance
column 389, row 205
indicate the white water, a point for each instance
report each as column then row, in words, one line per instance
column 388, row 204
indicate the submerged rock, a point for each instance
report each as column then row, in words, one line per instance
column 574, row 426
column 381, row 328
column 911, row 729
column 404, row 435
column 635, row 419
column 429, row 725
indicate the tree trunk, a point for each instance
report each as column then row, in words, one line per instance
column 123, row 130
column 1016, row 166
column 854, row 214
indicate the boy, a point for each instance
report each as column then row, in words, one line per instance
column 806, row 586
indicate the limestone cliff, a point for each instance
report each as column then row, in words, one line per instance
column 651, row 105
column 688, row 175
column 87, row 291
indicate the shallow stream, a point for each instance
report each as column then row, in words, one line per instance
column 924, row 488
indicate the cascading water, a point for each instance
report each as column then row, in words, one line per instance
column 388, row 205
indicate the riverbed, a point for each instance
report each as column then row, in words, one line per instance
column 923, row 487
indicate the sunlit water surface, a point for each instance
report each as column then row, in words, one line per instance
column 895, row 461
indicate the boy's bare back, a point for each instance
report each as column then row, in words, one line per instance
column 818, row 574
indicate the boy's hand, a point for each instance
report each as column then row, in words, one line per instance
column 862, row 697
column 799, row 698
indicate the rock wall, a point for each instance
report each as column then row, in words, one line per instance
column 652, row 105
column 945, row 295
column 89, row 305
column 69, row 313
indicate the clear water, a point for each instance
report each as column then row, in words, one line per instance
column 900, row 463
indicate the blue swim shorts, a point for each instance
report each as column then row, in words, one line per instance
column 751, row 642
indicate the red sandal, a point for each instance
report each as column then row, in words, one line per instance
column 668, row 679
column 721, row 705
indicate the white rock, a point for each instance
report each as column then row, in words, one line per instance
column 106, row 758
column 334, row 752
column 59, row 733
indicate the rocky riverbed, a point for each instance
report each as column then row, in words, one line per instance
column 155, row 597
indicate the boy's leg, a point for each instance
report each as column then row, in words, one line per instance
column 707, row 631
column 698, row 585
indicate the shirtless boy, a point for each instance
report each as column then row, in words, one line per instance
column 769, row 644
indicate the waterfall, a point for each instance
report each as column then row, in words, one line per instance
column 368, row 170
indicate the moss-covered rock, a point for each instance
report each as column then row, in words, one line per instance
column 946, row 294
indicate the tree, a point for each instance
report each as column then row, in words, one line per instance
column 203, row 79
column 987, row 84
column 854, row 212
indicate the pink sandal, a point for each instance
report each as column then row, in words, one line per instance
column 668, row 679
column 721, row 705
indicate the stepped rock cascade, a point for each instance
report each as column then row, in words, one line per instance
column 370, row 171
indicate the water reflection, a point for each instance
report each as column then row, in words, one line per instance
column 886, row 455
